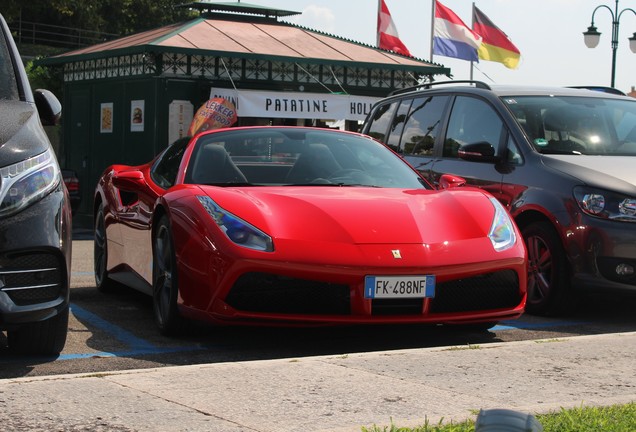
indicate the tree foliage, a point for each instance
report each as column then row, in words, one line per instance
column 119, row 17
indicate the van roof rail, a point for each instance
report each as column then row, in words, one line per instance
column 603, row 89
column 428, row 85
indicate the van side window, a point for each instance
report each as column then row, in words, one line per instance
column 381, row 120
column 397, row 125
column 472, row 121
column 514, row 156
column 423, row 125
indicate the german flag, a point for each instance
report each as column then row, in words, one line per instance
column 495, row 44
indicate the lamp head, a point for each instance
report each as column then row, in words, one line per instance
column 632, row 43
column 591, row 37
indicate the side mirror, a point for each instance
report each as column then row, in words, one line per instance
column 129, row 180
column 49, row 107
column 478, row 152
column 449, row 181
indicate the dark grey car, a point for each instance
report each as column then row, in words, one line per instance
column 35, row 214
column 562, row 160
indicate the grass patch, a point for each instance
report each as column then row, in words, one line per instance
column 615, row 418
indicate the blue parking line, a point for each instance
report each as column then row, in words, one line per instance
column 119, row 333
column 524, row 325
column 137, row 345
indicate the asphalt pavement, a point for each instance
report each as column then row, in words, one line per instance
column 332, row 393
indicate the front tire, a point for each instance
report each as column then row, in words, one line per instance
column 548, row 282
column 165, row 288
column 46, row 337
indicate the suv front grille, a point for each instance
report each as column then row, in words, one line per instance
column 31, row 278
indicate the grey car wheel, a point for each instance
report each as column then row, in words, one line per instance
column 46, row 337
column 548, row 283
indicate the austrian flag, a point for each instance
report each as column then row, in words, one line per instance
column 388, row 38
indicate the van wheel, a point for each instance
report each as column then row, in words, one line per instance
column 46, row 337
column 548, row 282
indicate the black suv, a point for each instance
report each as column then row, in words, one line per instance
column 35, row 214
column 562, row 160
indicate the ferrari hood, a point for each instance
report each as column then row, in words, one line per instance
column 359, row 215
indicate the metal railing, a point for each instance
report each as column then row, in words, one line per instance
column 27, row 32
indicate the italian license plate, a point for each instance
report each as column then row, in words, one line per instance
column 399, row 286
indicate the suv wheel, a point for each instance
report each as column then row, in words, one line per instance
column 548, row 283
column 41, row 338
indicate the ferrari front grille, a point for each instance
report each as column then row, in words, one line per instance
column 269, row 293
column 31, row 278
column 495, row 290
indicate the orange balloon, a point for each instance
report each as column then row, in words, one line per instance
column 216, row 113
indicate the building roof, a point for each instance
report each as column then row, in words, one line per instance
column 252, row 37
column 238, row 7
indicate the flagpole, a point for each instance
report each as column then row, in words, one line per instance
column 472, row 26
column 432, row 27
column 377, row 37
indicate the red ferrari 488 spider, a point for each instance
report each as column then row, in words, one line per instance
column 304, row 225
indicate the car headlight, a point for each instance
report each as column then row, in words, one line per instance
column 605, row 204
column 502, row 232
column 27, row 181
column 235, row 228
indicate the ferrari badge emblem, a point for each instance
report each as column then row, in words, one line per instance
column 396, row 254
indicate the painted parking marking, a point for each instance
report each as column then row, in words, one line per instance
column 525, row 325
column 138, row 346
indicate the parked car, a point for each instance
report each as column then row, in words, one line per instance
column 304, row 225
column 73, row 186
column 35, row 214
column 561, row 160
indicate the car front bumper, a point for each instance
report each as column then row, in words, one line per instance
column 603, row 254
column 35, row 259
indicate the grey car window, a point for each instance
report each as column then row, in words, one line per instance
column 577, row 125
column 423, row 125
column 397, row 126
column 381, row 119
column 472, row 121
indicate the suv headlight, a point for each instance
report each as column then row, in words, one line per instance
column 502, row 232
column 235, row 228
column 605, row 204
column 27, row 181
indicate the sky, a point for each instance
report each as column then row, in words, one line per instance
column 548, row 33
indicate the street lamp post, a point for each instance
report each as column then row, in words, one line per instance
column 592, row 35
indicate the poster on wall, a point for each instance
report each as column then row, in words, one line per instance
column 180, row 114
column 137, row 114
column 106, row 118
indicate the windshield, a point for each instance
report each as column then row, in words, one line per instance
column 577, row 125
column 297, row 156
column 8, row 86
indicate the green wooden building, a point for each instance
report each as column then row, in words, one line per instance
column 127, row 99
